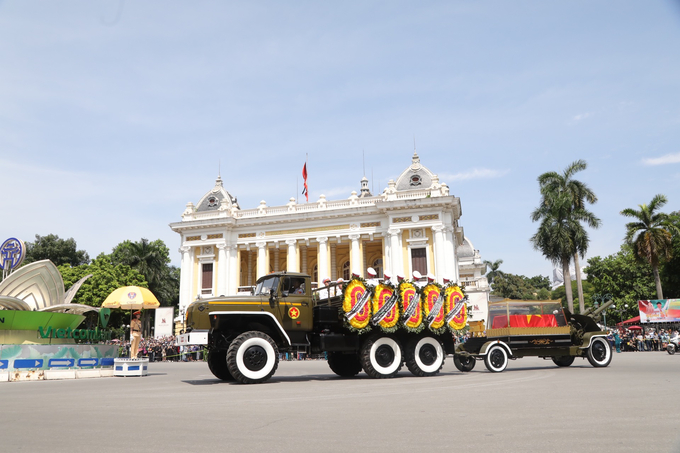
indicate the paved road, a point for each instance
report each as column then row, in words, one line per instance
column 531, row 407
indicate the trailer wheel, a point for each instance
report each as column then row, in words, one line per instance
column 380, row 356
column 599, row 352
column 345, row 365
column 671, row 349
column 464, row 363
column 252, row 357
column 496, row 359
column 217, row 363
column 563, row 360
column 424, row 356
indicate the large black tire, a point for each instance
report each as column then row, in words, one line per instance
column 464, row 363
column 671, row 349
column 599, row 352
column 496, row 359
column 381, row 356
column 217, row 363
column 563, row 360
column 252, row 357
column 345, row 365
column 424, row 356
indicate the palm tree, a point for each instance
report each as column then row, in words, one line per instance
column 560, row 234
column 149, row 258
column 552, row 183
column 650, row 236
column 493, row 270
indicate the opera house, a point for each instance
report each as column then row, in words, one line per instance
column 412, row 225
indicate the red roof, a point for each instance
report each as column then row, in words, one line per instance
column 635, row 320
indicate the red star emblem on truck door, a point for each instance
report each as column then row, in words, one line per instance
column 294, row 313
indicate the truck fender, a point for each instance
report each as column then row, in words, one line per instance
column 588, row 338
column 266, row 318
column 485, row 347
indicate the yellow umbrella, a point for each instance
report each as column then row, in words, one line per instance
column 131, row 298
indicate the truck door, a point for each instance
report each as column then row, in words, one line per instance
column 295, row 304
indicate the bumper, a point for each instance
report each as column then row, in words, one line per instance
column 191, row 338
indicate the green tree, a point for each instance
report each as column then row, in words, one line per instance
column 560, row 234
column 650, row 235
column 670, row 270
column 555, row 183
column 624, row 276
column 152, row 260
column 105, row 279
column 513, row 286
column 559, row 293
column 59, row 251
column 493, row 270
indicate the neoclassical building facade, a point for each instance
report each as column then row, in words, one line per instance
column 412, row 225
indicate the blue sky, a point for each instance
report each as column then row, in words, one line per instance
column 113, row 115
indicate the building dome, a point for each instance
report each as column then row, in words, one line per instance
column 466, row 249
column 212, row 200
column 416, row 176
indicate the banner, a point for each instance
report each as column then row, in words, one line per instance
column 659, row 310
column 164, row 325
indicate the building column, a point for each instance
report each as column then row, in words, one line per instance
column 249, row 281
column 334, row 261
column 234, row 269
column 440, row 270
column 292, row 255
column 261, row 259
column 322, row 258
column 397, row 262
column 450, row 254
column 277, row 256
column 186, row 278
column 303, row 259
column 222, row 270
column 355, row 255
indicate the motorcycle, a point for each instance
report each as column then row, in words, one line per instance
column 673, row 345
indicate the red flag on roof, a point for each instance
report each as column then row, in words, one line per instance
column 305, row 192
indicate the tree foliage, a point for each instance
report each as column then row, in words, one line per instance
column 493, row 270
column 650, row 235
column 53, row 248
column 152, row 260
column 105, row 279
column 511, row 286
column 623, row 276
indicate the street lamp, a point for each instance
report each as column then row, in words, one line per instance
column 602, row 299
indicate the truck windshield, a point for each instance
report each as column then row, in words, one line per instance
column 267, row 286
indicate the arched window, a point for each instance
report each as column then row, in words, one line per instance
column 345, row 270
column 378, row 267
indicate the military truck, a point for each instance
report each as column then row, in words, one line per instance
column 517, row 329
column 357, row 326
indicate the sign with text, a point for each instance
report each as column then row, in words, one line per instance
column 164, row 325
column 659, row 310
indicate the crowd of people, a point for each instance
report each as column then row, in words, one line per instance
column 637, row 340
column 162, row 349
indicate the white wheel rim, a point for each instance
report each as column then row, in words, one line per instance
column 440, row 355
column 505, row 358
column 271, row 358
column 396, row 363
column 606, row 348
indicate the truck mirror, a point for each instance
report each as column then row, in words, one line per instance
column 285, row 293
column 272, row 300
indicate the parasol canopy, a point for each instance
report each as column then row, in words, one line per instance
column 131, row 298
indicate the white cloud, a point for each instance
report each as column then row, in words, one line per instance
column 475, row 173
column 582, row 116
column 667, row 159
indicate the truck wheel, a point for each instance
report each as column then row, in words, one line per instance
column 464, row 363
column 563, row 360
column 671, row 349
column 599, row 352
column 496, row 359
column 217, row 363
column 252, row 357
column 380, row 357
column 345, row 365
column 424, row 356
